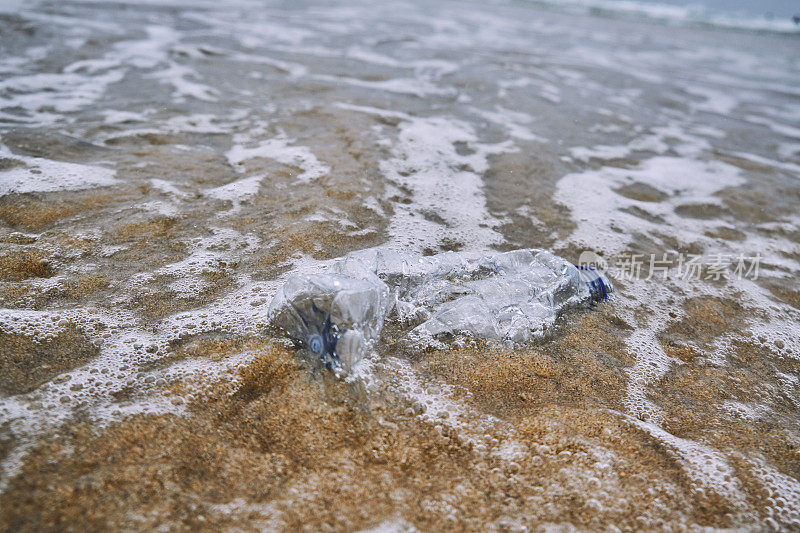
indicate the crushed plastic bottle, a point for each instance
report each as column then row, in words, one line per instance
column 334, row 316
column 513, row 296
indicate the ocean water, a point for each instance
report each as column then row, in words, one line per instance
column 774, row 9
column 166, row 165
column 771, row 15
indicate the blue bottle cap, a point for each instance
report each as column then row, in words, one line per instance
column 599, row 285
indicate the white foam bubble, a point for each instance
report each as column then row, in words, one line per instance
column 789, row 150
column 167, row 209
column 593, row 201
column 547, row 91
column 783, row 493
column 168, row 188
column 707, row 468
column 425, row 160
column 283, row 150
column 513, row 121
column 44, row 175
column 651, row 364
column 675, row 14
column 294, row 70
column 127, row 350
column 83, row 82
column 112, row 116
column 791, row 168
column 432, row 399
column 721, row 102
column 64, row 92
column 414, row 86
column 582, row 153
column 236, row 191
column 207, row 255
column 179, row 76
column 743, row 411
column 777, row 127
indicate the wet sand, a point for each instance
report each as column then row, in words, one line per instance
column 164, row 169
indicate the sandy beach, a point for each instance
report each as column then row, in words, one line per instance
column 166, row 166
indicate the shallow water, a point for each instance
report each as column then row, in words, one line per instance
column 165, row 166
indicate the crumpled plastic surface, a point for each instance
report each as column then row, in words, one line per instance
column 319, row 309
column 512, row 296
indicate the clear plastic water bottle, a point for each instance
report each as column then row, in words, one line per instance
column 511, row 296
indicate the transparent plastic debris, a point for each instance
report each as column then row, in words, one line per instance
column 512, row 296
column 334, row 316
